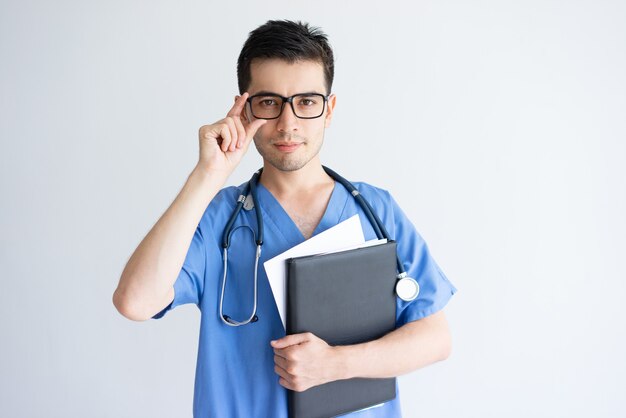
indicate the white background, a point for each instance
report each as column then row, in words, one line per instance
column 499, row 126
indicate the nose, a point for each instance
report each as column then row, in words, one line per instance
column 287, row 121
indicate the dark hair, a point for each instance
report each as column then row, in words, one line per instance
column 288, row 41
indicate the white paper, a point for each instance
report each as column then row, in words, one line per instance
column 343, row 235
column 369, row 243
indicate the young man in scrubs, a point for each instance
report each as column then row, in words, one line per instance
column 245, row 371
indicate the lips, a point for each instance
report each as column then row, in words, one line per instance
column 288, row 146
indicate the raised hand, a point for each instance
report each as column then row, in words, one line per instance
column 223, row 143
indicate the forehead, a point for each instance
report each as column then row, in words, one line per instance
column 286, row 79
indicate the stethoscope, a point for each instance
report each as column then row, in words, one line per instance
column 406, row 288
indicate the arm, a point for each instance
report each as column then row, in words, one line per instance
column 146, row 285
column 304, row 360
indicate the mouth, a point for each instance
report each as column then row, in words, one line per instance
column 288, row 146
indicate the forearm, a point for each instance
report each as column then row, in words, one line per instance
column 148, row 278
column 410, row 347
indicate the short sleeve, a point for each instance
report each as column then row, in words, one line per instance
column 189, row 284
column 435, row 288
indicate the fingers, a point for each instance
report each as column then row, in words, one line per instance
column 241, row 132
column 281, row 372
column 232, row 129
column 284, row 383
column 238, row 106
column 236, row 133
column 233, row 132
column 289, row 381
column 289, row 340
column 281, row 362
column 226, row 136
column 285, row 377
column 245, row 130
column 250, row 128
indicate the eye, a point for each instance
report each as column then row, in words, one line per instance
column 268, row 102
column 307, row 101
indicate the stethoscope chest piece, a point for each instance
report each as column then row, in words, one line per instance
column 407, row 289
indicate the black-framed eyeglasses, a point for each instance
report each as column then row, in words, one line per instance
column 304, row 105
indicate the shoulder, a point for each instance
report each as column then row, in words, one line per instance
column 386, row 207
column 221, row 207
column 378, row 197
column 227, row 197
column 368, row 188
column 381, row 201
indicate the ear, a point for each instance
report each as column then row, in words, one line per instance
column 330, row 108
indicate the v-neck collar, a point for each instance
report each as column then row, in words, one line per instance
column 275, row 213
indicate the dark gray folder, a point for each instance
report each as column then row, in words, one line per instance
column 344, row 298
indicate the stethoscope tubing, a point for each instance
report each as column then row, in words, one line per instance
column 377, row 224
column 250, row 188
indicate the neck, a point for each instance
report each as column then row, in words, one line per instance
column 288, row 182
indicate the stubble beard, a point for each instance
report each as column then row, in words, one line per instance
column 288, row 162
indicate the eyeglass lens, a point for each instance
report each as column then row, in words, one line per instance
column 303, row 105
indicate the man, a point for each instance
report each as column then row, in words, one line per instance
column 285, row 74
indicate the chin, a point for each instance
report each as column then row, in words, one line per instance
column 285, row 162
column 287, row 165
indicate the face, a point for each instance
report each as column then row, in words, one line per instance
column 289, row 143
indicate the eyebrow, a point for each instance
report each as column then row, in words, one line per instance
column 271, row 93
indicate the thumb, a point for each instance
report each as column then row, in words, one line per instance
column 255, row 125
column 251, row 130
column 289, row 340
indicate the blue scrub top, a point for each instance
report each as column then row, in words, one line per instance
column 235, row 369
